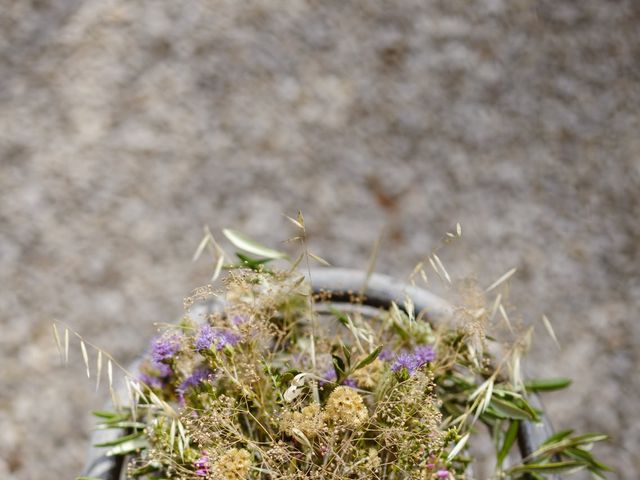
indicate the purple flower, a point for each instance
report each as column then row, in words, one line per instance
column 208, row 336
column 205, row 338
column 329, row 376
column 424, row 354
column 192, row 380
column 225, row 338
column 385, row 354
column 238, row 320
column 404, row 360
column 442, row 473
column 164, row 348
column 202, row 465
column 350, row 382
column 414, row 360
column 163, row 369
column 151, row 381
column 158, row 373
column 159, row 379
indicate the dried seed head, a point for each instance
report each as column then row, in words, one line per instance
column 346, row 408
column 309, row 421
column 232, row 465
column 369, row 376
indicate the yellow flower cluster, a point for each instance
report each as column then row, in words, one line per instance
column 346, row 408
column 233, row 465
column 369, row 376
column 309, row 421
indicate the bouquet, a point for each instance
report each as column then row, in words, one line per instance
column 279, row 379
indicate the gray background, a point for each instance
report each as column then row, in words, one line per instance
column 125, row 126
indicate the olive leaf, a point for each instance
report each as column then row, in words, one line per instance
column 369, row 358
column 119, row 440
column 128, row 447
column 509, row 439
column 510, row 409
column 247, row 244
column 546, row 384
column 553, row 467
column 458, row 448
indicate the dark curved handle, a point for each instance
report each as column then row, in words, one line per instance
column 380, row 290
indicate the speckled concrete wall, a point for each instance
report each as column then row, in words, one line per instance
column 127, row 125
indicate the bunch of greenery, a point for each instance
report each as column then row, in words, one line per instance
column 272, row 386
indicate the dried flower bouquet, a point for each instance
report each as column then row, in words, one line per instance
column 282, row 382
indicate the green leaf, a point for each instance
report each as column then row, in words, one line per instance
column 128, row 447
column 106, row 426
column 524, row 404
column 580, row 454
column 119, row 440
column 338, row 365
column 458, row 448
column 401, row 331
column 554, row 467
column 510, row 410
column 105, row 414
column 556, row 437
column 247, row 244
column 117, row 420
column 597, row 473
column 369, row 358
column 558, row 446
column 287, row 376
column 546, row 384
column 490, row 414
column 588, row 438
column 253, row 263
column 347, row 354
column 342, row 317
column 509, row 439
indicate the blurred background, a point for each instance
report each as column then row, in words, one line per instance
column 125, row 126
